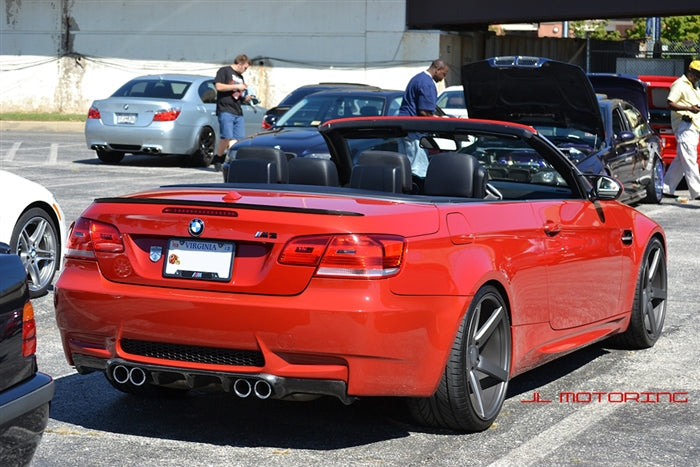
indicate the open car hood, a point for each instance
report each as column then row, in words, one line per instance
column 624, row 87
column 532, row 91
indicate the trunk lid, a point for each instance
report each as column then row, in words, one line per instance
column 249, row 226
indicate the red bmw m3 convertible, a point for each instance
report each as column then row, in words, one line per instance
column 427, row 258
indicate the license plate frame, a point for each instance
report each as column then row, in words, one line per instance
column 126, row 119
column 207, row 260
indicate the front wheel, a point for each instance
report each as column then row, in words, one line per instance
column 35, row 240
column 655, row 188
column 473, row 386
column 649, row 307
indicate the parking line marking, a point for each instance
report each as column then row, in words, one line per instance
column 536, row 449
column 13, row 150
column 53, row 154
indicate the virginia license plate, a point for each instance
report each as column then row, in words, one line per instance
column 126, row 118
column 199, row 259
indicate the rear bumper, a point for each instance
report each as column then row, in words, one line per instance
column 22, row 399
column 353, row 335
column 24, row 413
column 163, row 138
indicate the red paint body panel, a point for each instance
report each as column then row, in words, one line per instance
column 359, row 287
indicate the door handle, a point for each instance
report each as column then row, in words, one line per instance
column 552, row 228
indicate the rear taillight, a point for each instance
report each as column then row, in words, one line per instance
column 28, row 331
column 166, row 115
column 347, row 255
column 94, row 113
column 88, row 237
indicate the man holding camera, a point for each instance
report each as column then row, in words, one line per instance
column 684, row 102
column 231, row 90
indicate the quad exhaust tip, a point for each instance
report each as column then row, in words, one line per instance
column 242, row 387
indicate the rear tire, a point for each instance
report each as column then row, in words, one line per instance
column 655, row 188
column 474, row 384
column 109, row 157
column 649, row 307
column 206, row 148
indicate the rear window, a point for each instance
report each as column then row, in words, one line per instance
column 153, row 89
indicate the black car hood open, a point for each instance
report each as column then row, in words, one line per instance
column 624, row 87
column 532, row 91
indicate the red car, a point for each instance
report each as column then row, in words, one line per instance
column 660, row 115
column 359, row 275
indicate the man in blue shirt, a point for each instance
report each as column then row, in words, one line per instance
column 420, row 100
column 420, row 96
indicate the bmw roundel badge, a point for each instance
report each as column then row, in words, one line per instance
column 196, row 227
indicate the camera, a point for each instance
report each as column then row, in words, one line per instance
column 253, row 98
column 687, row 118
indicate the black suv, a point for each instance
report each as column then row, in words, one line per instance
column 25, row 394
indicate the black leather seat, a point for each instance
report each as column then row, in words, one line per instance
column 376, row 177
column 454, row 174
column 276, row 156
column 391, row 159
column 313, row 171
column 252, row 171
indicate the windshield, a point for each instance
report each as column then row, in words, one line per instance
column 451, row 100
column 317, row 108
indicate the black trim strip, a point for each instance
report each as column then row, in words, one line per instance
column 258, row 207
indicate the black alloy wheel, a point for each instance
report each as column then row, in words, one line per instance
column 649, row 308
column 206, row 147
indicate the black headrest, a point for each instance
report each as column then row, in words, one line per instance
column 313, row 171
column 252, row 171
column 267, row 154
column 376, row 177
column 455, row 174
column 394, row 159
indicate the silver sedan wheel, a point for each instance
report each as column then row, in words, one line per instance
column 36, row 242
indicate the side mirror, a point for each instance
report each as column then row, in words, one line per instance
column 624, row 136
column 605, row 188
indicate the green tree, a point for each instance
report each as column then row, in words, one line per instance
column 673, row 29
column 596, row 29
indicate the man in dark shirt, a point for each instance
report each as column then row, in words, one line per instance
column 420, row 100
column 230, row 88
column 420, row 97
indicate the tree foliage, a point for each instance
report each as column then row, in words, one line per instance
column 595, row 29
column 673, row 29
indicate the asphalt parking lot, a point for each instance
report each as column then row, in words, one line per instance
column 598, row 406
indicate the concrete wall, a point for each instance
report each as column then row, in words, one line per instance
column 60, row 55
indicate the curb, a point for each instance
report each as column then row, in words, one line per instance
column 9, row 125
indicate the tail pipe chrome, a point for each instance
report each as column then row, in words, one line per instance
column 262, row 389
column 120, row 373
column 242, row 387
column 123, row 374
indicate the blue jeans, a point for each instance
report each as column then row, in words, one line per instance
column 231, row 126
